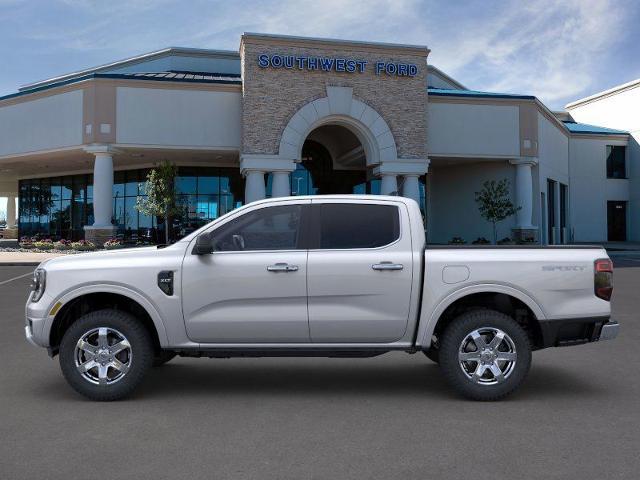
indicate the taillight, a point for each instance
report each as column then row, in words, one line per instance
column 603, row 278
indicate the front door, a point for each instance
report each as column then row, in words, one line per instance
column 359, row 272
column 253, row 287
column 617, row 221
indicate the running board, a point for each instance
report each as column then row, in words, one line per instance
column 283, row 352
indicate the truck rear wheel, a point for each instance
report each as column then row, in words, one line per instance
column 104, row 355
column 484, row 354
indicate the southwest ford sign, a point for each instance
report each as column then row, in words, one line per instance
column 334, row 64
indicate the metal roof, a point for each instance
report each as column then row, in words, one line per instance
column 585, row 128
column 135, row 60
column 177, row 75
column 445, row 92
column 186, row 77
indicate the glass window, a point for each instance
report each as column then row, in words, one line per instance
column 62, row 206
column 186, row 184
column 130, row 215
column 131, row 184
column 118, row 184
column 90, row 186
column 207, row 185
column 56, row 188
column 118, row 213
column 67, row 189
column 207, row 207
column 349, row 225
column 272, row 228
column 79, row 187
column 616, row 164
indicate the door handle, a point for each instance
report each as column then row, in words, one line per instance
column 282, row 267
column 387, row 266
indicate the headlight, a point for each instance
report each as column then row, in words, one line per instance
column 38, row 285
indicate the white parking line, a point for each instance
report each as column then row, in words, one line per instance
column 16, row 278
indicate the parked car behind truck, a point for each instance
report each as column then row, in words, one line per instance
column 331, row 276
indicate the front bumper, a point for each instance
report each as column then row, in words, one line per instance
column 577, row 331
column 28, row 332
column 37, row 321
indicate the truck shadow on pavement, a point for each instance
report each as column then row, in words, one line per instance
column 175, row 380
column 345, row 380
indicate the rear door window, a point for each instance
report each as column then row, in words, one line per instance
column 357, row 225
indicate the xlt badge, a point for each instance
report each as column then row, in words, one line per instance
column 165, row 282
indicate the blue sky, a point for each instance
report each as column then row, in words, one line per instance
column 557, row 50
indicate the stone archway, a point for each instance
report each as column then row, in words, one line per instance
column 340, row 108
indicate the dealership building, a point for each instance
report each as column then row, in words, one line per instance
column 296, row 116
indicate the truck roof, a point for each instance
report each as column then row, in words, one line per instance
column 346, row 197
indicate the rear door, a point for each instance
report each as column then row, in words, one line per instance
column 359, row 271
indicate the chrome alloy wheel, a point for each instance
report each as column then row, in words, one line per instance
column 487, row 356
column 103, row 356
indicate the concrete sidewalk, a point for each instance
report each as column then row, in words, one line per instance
column 24, row 258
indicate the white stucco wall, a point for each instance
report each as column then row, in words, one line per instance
column 590, row 189
column 553, row 163
column 452, row 209
column 466, row 129
column 190, row 118
column 620, row 111
column 42, row 124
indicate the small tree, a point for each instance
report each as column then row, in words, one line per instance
column 160, row 191
column 494, row 203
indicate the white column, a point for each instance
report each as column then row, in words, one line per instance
column 411, row 187
column 389, row 184
column 280, row 186
column 103, row 189
column 254, row 186
column 524, row 193
column 11, row 212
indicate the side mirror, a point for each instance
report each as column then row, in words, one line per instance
column 204, row 244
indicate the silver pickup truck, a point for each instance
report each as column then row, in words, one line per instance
column 332, row 276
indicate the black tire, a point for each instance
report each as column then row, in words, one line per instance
column 141, row 351
column 450, row 345
column 163, row 357
column 432, row 354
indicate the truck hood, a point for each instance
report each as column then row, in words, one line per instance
column 123, row 258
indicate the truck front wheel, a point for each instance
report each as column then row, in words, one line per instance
column 105, row 354
column 484, row 354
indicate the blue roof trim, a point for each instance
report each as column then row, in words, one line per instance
column 226, row 80
column 585, row 128
column 445, row 92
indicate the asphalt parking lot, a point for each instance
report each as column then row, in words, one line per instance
column 577, row 416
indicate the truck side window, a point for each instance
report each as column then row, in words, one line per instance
column 352, row 225
column 270, row 228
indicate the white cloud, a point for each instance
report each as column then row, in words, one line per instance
column 548, row 48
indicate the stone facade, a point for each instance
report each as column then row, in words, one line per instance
column 271, row 96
